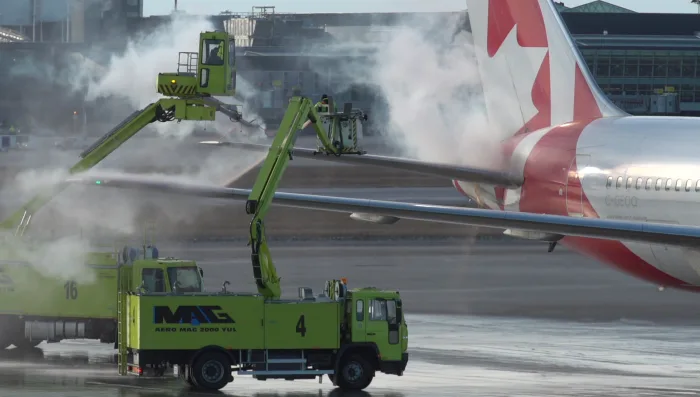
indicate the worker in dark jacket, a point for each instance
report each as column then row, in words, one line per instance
column 323, row 106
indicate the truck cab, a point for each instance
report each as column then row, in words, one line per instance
column 376, row 320
column 168, row 276
column 147, row 273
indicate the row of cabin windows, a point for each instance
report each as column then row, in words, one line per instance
column 669, row 183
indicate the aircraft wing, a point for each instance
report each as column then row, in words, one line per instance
column 677, row 235
column 467, row 174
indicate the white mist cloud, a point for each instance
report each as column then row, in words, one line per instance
column 132, row 75
column 245, row 92
column 429, row 78
column 64, row 258
column 129, row 77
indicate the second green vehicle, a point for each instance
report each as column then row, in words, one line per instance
column 347, row 334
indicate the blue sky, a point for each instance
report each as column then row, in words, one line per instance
column 152, row 7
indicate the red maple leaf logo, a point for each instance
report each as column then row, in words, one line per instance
column 505, row 14
column 503, row 17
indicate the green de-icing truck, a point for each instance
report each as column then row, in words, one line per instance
column 38, row 307
column 206, row 337
column 349, row 336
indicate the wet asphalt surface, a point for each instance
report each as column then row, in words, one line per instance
column 485, row 319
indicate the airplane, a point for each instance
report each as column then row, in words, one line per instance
column 578, row 170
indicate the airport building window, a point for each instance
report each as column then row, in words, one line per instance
column 646, row 66
column 648, row 185
column 674, row 67
column 646, row 72
column 631, row 66
column 617, row 66
column 660, row 67
column 688, row 66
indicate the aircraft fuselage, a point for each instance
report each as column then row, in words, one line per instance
column 625, row 168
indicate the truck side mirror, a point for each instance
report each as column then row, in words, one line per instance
column 201, row 272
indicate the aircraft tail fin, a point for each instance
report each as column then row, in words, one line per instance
column 532, row 73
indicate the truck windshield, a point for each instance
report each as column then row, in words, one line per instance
column 184, row 279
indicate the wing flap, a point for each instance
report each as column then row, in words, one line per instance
column 677, row 235
column 467, row 174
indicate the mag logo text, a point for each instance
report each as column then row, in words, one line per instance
column 193, row 319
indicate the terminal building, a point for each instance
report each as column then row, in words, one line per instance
column 646, row 63
column 636, row 57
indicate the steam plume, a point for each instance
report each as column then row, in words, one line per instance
column 426, row 70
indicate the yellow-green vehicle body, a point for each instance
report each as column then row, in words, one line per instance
column 38, row 305
column 267, row 338
column 234, row 321
column 28, row 290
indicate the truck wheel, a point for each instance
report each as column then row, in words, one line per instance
column 211, row 370
column 355, row 373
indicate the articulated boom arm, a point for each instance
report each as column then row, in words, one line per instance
column 163, row 110
column 89, row 158
column 188, row 98
column 300, row 111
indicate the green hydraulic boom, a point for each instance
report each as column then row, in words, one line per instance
column 299, row 112
column 189, row 96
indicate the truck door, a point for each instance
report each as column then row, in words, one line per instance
column 382, row 327
column 358, row 330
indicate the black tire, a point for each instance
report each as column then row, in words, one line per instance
column 211, row 370
column 354, row 373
